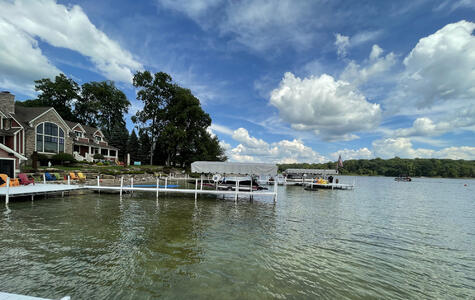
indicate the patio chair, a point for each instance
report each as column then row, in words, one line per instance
column 49, row 177
column 24, row 180
column 73, row 176
column 81, row 176
column 3, row 181
column 58, row 176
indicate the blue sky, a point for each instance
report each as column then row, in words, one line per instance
column 284, row 81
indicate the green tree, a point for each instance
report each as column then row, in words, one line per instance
column 155, row 91
column 119, row 137
column 145, row 146
column 60, row 94
column 102, row 104
column 133, row 146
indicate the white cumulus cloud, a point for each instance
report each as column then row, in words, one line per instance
column 21, row 60
column 402, row 147
column 332, row 109
column 257, row 150
column 440, row 68
column 362, row 153
column 70, row 28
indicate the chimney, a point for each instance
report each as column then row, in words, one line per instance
column 7, row 102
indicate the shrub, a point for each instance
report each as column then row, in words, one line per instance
column 62, row 159
column 98, row 156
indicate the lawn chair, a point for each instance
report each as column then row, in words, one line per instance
column 3, row 181
column 81, row 176
column 50, row 177
column 58, row 176
column 73, row 176
column 24, row 180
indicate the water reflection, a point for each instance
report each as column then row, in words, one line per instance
column 383, row 240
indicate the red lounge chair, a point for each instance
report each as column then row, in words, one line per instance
column 24, row 180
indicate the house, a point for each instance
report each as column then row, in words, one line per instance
column 24, row 130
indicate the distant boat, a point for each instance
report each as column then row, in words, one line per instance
column 403, row 178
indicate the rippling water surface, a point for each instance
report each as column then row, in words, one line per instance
column 385, row 239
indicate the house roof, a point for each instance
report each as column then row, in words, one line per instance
column 88, row 134
column 26, row 114
column 9, row 150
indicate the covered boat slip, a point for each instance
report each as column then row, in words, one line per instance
column 236, row 169
column 304, row 176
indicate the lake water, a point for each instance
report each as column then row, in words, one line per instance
column 385, row 240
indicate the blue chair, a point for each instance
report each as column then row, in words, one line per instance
column 49, row 177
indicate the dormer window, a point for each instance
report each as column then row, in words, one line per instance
column 78, row 134
column 98, row 138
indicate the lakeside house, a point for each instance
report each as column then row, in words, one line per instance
column 24, row 130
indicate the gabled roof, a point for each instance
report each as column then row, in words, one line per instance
column 26, row 114
column 9, row 150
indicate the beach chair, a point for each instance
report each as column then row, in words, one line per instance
column 58, row 176
column 49, row 177
column 73, row 176
column 3, row 181
column 81, row 177
column 24, row 180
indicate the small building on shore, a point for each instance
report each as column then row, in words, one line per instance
column 24, row 130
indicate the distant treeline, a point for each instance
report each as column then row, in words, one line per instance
column 398, row 166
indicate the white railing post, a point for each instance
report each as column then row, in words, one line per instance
column 166, row 182
column 201, row 182
column 196, row 188
column 69, row 180
column 158, row 185
column 98, row 181
column 7, row 196
column 250, row 189
column 237, row 189
column 275, row 191
column 44, row 178
column 121, row 185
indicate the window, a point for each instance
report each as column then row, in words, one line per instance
column 49, row 138
column 112, row 153
column 104, row 152
column 78, row 134
column 98, row 138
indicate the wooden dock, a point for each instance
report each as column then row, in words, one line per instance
column 36, row 189
column 328, row 186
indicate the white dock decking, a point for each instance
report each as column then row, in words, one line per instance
column 8, row 296
column 54, row 188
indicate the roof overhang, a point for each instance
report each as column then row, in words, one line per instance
column 9, row 150
column 312, row 171
column 56, row 113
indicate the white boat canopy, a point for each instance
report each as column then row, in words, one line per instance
column 218, row 167
column 312, row 171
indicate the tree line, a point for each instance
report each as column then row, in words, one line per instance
column 398, row 166
column 171, row 126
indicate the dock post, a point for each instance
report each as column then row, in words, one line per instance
column 166, row 182
column 275, row 191
column 32, row 197
column 158, row 185
column 132, row 185
column 44, row 178
column 196, row 189
column 237, row 189
column 121, row 185
column 201, row 182
column 98, row 180
column 250, row 190
column 69, row 180
column 7, row 196
column 98, row 184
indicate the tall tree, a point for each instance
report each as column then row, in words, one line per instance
column 102, row 104
column 155, row 91
column 145, row 146
column 60, row 94
column 133, row 146
column 118, row 137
